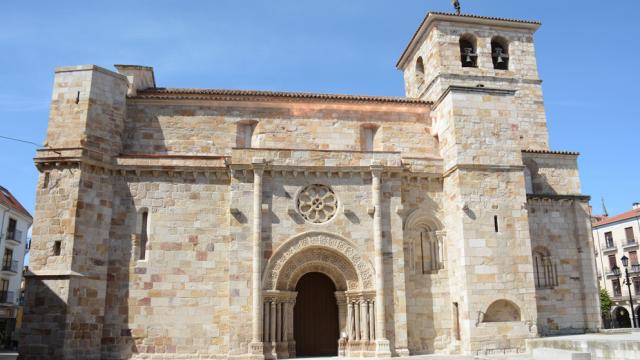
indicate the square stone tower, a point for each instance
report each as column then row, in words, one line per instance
column 481, row 76
column 69, row 257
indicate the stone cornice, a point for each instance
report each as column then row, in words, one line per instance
column 550, row 152
column 482, row 167
column 491, row 78
column 91, row 67
column 266, row 96
column 286, row 162
column 557, row 197
column 471, row 89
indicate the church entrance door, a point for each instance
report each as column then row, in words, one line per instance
column 315, row 319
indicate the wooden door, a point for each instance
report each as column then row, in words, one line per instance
column 315, row 319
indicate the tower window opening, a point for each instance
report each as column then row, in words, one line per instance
column 420, row 70
column 468, row 53
column 500, row 53
column 495, row 223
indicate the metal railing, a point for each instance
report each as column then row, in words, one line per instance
column 11, row 266
column 7, row 297
column 15, row 235
column 609, row 246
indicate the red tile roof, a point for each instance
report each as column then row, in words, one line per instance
column 7, row 199
column 222, row 94
column 624, row 216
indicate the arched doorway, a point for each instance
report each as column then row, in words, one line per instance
column 315, row 318
column 621, row 318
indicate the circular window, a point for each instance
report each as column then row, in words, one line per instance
column 317, row 203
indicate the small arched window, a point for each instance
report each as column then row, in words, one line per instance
column 468, row 53
column 500, row 53
column 545, row 272
column 420, row 70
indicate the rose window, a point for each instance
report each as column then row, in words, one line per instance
column 317, row 203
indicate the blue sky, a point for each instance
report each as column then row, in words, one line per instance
column 588, row 54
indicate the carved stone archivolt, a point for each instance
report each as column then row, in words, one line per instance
column 326, row 253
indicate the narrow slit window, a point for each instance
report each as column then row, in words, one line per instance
column 45, row 181
column 143, row 235
column 456, row 324
column 57, row 247
column 495, row 223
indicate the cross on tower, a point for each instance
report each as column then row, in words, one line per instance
column 456, row 5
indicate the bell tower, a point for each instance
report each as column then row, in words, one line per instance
column 484, row 53
column 480, row 74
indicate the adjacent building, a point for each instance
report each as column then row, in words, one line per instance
column 206, row 224
column 616, row 237
column 15, row 222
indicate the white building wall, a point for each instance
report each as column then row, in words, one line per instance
column 621, row 247
column 18, row 245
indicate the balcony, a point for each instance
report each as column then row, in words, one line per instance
column 630, row 244
column 14, row 236
column 609, row 248
column 7, row 297
column 10, row 267
column 634, row 268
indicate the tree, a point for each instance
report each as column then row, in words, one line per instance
column 605, row 306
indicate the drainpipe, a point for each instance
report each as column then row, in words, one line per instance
column 4, row 215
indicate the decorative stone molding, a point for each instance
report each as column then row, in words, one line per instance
column 317, row 251
column 317, row 203
column 338, row 269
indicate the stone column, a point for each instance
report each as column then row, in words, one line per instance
column 357, row 319
column 382, row 344
column 365, row 319
column 267, row 321
column 274, row 320
column 350, row 321
column 256, row 347
column 372, row 320
column 341, row 300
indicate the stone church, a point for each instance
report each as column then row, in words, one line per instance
column 226, row 224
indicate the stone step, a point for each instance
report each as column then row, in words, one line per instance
column 557, row 354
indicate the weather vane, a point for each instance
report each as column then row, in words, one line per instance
column 456, row 4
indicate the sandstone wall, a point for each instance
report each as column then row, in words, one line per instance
column 561, row 227
column 211, row 128
column 176, row 300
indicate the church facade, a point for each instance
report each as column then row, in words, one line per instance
column 206, row 224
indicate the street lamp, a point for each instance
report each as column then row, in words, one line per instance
column 627, row 281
